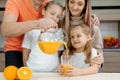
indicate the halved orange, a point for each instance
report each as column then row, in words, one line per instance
column 10, row 72
column 24, row 73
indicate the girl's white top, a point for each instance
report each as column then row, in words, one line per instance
column 78, row 59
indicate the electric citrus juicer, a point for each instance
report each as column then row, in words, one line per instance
column 51, row 40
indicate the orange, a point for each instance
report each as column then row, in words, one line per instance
column 24, row 73
column 10, row 72
column 49, row 47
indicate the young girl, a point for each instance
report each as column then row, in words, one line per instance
column 80, row 51
column 79, row 11
column 33, row 57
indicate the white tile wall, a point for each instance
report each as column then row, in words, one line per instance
column 109, row 28
column 61, row 2
column 99, row 2
column 105, row 2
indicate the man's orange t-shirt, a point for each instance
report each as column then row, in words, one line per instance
column 24, row 10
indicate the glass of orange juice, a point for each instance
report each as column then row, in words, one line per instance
column 66, row 67
column 66, row 63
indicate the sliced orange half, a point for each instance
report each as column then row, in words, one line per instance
column 24, row 73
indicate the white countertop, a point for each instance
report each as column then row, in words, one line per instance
column 56, row 76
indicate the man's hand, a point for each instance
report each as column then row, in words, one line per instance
column 46, row 23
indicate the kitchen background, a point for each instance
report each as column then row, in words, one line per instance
column 108, row 11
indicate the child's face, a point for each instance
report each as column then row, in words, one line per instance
column 78, row 38
column 53, row 11
column 76, row 7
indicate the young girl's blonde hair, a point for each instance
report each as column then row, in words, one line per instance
column 86, row 30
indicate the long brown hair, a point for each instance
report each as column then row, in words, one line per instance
column 65, row 22
column 89, row 45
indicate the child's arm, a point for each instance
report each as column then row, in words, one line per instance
column 25, row 55
column 26, row 45
column 83, row 71
column 92, row 69
column 97, row 60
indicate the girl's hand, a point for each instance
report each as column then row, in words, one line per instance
column 46, row 23
column 72, row 71
column 95, row 19
column 97, row 60
column 60, row 69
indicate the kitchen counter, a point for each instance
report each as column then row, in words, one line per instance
column 56, row 76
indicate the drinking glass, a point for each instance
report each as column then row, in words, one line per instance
column 66, row 62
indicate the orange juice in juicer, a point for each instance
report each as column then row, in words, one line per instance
column 50, row 47
column 51, row 40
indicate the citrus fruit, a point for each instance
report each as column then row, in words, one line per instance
column 24, row 73
column 10, row 72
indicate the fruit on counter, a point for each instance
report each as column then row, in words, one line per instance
column 24, row 73
column 110, row 41
column 10, row 72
